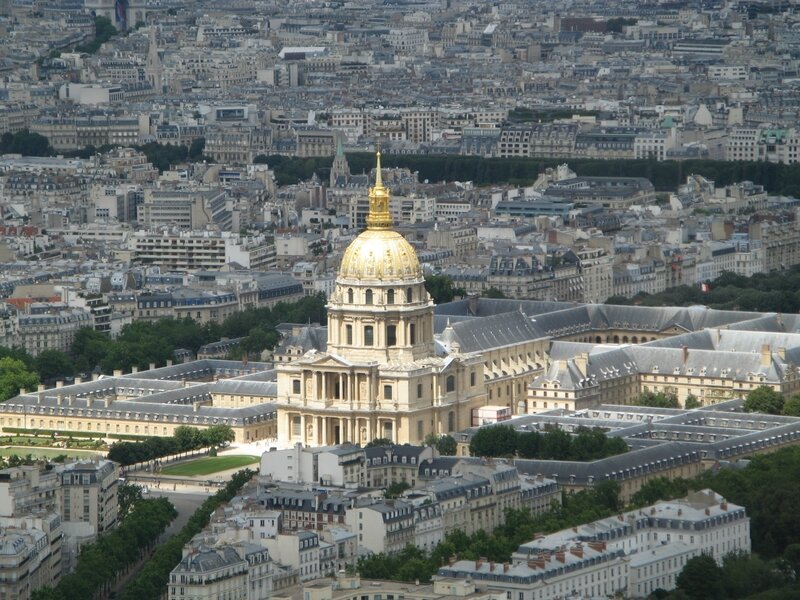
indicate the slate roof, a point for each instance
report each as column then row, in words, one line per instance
column 497, row 331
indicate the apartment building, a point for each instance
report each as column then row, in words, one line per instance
column 639, row 551
column 190, row 251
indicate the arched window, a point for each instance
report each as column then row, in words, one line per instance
column 368, row 297
column 409, row 295
column 350, row 295
column 390, row 297
column 369, row 339
column 450, row 383
column 391, row 335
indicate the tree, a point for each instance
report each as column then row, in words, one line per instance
column 196, row 148
column 217, row 435
column 377, row 442
column 691, row 402
column 14, row 375
column 792, row 406
column 445, row 444
column 496, row 440
column 764, row 399
column 53, row 364
column 25, row 143
column 658, row 399
column 493, row 292
column 701, row 578
column 395, row 489
column 128, row 494
column 187, row 438
column 441, row 288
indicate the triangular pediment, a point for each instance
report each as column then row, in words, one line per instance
column 329, row 360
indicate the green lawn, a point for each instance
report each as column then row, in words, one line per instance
column 210, row 464
column 46, row 452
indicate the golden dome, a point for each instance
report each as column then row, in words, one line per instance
column 380, row 253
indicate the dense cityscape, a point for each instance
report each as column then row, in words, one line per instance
column 399, row 300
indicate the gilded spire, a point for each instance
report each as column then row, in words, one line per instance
column 379, row 216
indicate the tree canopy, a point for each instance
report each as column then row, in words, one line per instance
column 14, row 375
column 764, row 399
column 555, row 444
column 441, row 288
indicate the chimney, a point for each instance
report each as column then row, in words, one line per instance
column 452, row 560
column 582, row 362
column 134, row 369
column 685, row 353
column 107, row 401
column 577, row 551
column 117, row 372
column 40, row 388
column 766, row 355
column 597, row 546
column 680, row 512
column 169, row 362
column 77, row 380
column 561, row 556
column 708, row 512
column 22, row 391
column 491, row 567
column 60, row 384
column 652, row 511
column 152, row 366
column 95, row 376
column 505, row 567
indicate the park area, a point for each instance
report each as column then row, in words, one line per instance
column 210, row 464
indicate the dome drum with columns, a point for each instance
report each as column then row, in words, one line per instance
column 380, row 375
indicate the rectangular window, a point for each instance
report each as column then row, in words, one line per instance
column 349, row 334
column 387, row 392
column 419, row 390
column 412, row 334
column 391, row 335
column 368, row 335
column 295, row 386
column 472, row 379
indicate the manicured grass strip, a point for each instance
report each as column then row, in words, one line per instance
column 46, row 452
column 210, row 464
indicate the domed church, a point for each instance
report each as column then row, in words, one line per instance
column 380, row 375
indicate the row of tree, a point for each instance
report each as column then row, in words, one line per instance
column 555, row 444
column 152, row 580
column 777, row 291
column 101, row 562
column 665, row 176
column 142, row 342
column 184, row 439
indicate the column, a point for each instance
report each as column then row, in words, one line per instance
column 324, row 424
column 341, row 386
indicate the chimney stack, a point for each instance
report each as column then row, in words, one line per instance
column 117, row 372
column 134, row 369
column 40, row 388
column 152, row 366
column 78, row 380
column 22, row 391
column 766, row 355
